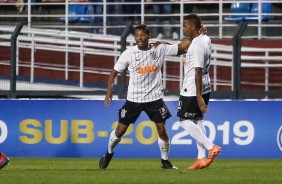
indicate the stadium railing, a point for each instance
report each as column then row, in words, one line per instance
column 213, row 12
column 79, row 46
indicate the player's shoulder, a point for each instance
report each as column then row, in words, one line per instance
column 206, row 38
column 201, row 41
column 129, row 50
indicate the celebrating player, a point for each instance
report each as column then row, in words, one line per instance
column 3, row 160
column 145, row 90
column 195, row 92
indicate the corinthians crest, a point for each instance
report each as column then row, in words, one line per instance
column 154, row 55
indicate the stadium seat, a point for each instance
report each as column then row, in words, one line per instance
column 265, row 9
column 238, row 9
column 77, row 10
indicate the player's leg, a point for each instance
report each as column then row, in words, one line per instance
column 188, row 111
column 163, row 140
column 115, row 137
column 200, row 137
column 212, row 153
column 164, row 146
column 113, row 141
column 201, row 161
column 200, row 147
column 127, row 115
column 158, row 112
column 3, row 160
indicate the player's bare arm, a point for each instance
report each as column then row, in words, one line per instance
column 109, row 95
column 183, row 46
column 198, row 80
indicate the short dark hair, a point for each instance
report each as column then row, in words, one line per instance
column 195, row 19
column 144, row 28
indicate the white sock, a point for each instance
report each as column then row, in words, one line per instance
column 196, row 133
column 200, row 147
column 113, row 141
column 164, row 148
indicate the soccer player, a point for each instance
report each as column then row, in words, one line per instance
column 3, row 160
column 145, row 90
column 195, row 92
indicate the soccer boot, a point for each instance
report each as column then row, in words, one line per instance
column 213, row 153
column 3, row 160
column 105, row 160
column 200, row 164
column 166, row 164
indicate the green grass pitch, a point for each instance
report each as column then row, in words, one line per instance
column 139, row 171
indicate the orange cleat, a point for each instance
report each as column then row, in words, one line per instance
column 200, row 164
column 213, row 153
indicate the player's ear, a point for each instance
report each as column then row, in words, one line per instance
column 193, row 27
column 150, row 35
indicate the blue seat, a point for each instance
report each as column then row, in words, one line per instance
column 266, row 8
column 238, row 9
column 77, row 10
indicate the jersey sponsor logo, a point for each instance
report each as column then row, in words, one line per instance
column 189, row 115
column 146, row 69
column 279, row 138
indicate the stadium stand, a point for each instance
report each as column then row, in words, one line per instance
column 239, row 11
column 243, row 11
column 266, row 9
column 78, row 57
column 75, row 12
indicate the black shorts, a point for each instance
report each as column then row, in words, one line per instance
column 156, row 110
column 188, row 107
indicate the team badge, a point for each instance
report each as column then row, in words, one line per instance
column 122, row 113
column 279, row 138
column 154, row 55
column 163, row 111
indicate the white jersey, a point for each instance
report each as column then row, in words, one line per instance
column 198, row 55
column 145, row 83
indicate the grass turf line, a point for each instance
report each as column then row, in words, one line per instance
column 139, row 171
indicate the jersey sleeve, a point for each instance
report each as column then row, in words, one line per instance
column 122, row 61
column 171, row 50
column 198, row 55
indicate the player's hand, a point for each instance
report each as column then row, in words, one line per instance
column 202, row 105
column 157, row 43
column 108, row 98
column 203, row 30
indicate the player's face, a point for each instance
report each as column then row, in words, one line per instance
column 188, row 28
column 142, row 39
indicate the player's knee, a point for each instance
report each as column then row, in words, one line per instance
column 120, row 130
column 164, row 136
column 162, row 132
column 120, row 133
